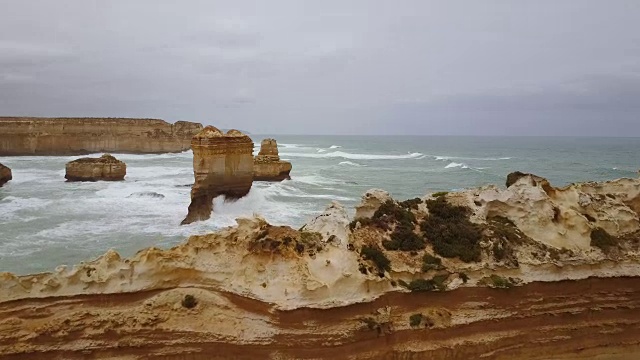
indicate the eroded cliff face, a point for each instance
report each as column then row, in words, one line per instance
column 222, row 165
column 5, row 175
column 105, row 168
column 446, row 276
column 267, row 165
column 70, row 136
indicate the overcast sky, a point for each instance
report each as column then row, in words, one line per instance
column 544, row 67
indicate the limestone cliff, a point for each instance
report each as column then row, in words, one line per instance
column 222, row 165
column 267, row 165
column 70, row 136
column 105, row 168
column 528, row 272
column 5, row 174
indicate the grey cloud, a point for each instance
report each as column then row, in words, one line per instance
column 331, row 67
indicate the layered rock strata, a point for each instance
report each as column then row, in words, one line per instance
column 104, row 168
column 5, row 174
column 528, row 272
column 222, row 165
column 72, row 136
column 267, row 165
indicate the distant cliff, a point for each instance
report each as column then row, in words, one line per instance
column 70, row 136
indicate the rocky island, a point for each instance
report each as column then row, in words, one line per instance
column 73, row 136
column 5, row 174
column 105, row 168
column 267, row 165
column 530, row 272
column 222, row 165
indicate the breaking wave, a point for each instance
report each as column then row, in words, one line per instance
column 456, row 165
column 446, row 158
column 335, row 147
column 350, row 156
column 350, row 163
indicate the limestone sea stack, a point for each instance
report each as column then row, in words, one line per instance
column 267, row 166
column 105, row 168
column 76, row 136
column 5, row 174
column 222, row 165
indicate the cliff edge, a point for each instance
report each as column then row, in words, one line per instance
column 529, row 272
column 73, row 136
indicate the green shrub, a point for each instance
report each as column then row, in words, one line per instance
column 377, row 257
column 600, row 238
column 421, row 285
column 390, row 209
column 189, row 301
column 450, row 232
column 430, row 262
column 464, row 277
column 439, row 194
column 417, row 285
column 411, row 203
column 415, row 320
column 403, row 238
column 500, row 282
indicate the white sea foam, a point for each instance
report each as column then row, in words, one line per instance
column 456, row 165
column 322, row 150
column 335, row 147
column 350, row 163
column 446, row 158
column 350, row 156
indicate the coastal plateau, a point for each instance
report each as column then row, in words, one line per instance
column 71, row 136
column 529, row 271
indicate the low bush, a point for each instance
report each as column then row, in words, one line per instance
column 377, row 257
column 450, row 232
column 439, row 194
column 404, row 239
column 464, row 277
column 600, row 238
column 500, row 282
column 189, row 301
column 415, row 320
column 430, row 262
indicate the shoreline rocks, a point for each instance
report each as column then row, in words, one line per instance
column 104, row 168
column 5, row 175
column 77, row 136
column 222, row 165
column 267, row 165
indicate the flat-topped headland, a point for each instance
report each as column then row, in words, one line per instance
column 530, row 271
column 77, row 136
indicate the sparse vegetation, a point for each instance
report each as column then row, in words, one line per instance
column 418, row 285
column 403, row 238
column 600, row 238
column 189, row 302
column 377, row 257
column 450, row 232
column 430, row 262
column 439, row 194
column 500, row 282
column 464, row 277
column 415, row 320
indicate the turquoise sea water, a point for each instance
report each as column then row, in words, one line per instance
column 45, row 222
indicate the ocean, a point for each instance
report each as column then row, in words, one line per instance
column 46, row 222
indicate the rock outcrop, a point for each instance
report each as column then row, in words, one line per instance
column 267, row 165
column 73, row 136
column 371, row 201
column 105, row 168
column 527, row 272
column 5, row 174
column 222, row 165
